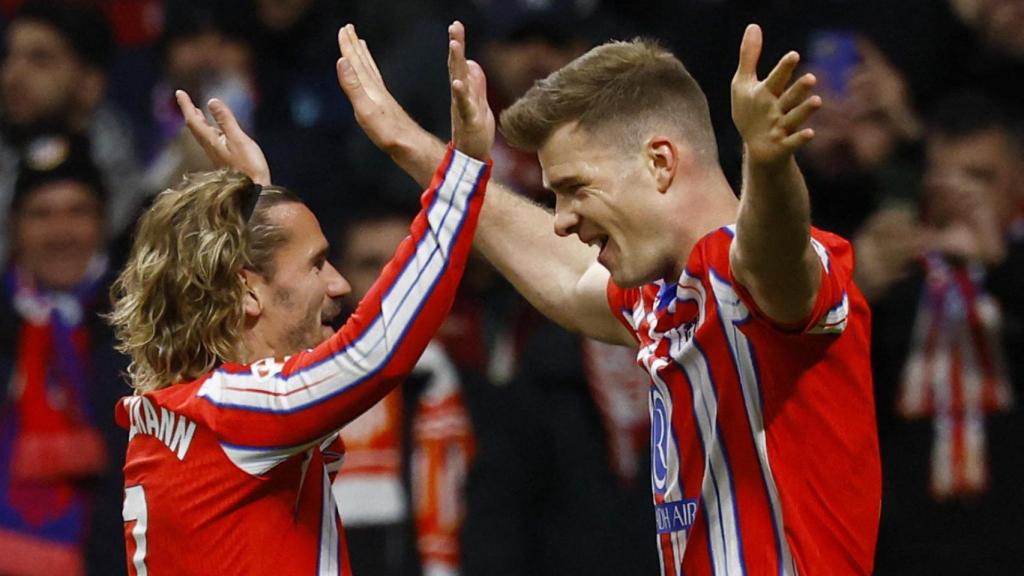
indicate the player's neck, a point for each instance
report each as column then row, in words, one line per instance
column 705, row 206
column 254, row 347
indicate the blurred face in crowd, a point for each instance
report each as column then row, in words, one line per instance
column 985, row 163
column 57, row 230
column 194, row 60
column 848, row 139
column 301, row 296
column 369, row 246
column 999, row 22
column 514, row 65
column 40, row 74
column 282, row 14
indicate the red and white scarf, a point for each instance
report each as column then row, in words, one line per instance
column 955, row 374
column 620, row 389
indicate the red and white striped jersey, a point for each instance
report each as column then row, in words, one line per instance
column 764, row 444
column 231, row 473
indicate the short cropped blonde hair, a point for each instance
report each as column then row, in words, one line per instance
column 177, row 304
column 630, row 88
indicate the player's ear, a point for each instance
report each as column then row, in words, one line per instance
column 663, row 160
column 252, row 302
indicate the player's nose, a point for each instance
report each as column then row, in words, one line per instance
column 337, row 285
column 566, row 219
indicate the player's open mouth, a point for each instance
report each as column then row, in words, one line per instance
column 328, row 319
column 599, row 241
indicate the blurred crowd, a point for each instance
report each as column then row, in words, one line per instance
column 516, row 448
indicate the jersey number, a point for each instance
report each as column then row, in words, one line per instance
column 135, row 510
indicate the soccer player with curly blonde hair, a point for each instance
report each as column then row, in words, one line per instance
column 241, row 384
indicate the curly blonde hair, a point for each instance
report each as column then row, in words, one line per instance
column 178, row 302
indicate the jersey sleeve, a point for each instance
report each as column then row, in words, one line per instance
column 832, row 304
column 266, row 412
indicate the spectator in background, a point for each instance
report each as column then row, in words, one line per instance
column 954, row 44
column 992, row 54
column 523, row 42
column 301, row 118
column 948, row 331
column 201, row 54
column 60, row 485
column 52, row 82
column 400, row 490
column 862, row 156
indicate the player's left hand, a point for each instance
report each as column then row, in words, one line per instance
column 770, row 113
column 225, row 144
column 472, row 119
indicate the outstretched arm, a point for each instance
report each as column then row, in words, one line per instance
column 266, row 412
column 559, row 276
column 772, row 255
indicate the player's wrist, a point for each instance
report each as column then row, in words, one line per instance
column 768, row 159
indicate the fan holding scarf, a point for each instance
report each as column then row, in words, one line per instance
column 59, row 475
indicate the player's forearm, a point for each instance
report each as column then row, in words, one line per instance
column 515, row 235
column 416, row 289
column 417, row 152
column 518, row 238
column 772, row 255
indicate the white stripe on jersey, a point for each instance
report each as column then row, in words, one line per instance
column 834, row 321
column 258, row 461
column 822, row 253
column 328, row 560
column 372, row 349
column 717, row 488
column 734, row 311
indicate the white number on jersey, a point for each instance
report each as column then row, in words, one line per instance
column 135, row 510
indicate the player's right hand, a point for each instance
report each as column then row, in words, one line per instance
column 472, row 118
column 376, row 110
column 770, row 114
column 225, row 144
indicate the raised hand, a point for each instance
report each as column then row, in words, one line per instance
column 225, row 144
column 770, row 113
column 472, row 118
column 378, row 114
